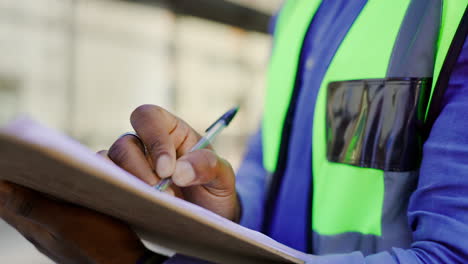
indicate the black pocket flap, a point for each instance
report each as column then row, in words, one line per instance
column 377, row 123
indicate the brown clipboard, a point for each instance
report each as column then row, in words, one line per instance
column 40, row 158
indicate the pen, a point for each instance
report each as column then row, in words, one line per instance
column 211, row 132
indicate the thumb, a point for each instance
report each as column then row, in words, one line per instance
column 204, row 167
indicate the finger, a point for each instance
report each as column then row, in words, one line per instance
column 31, row 231
column 154, row 125
column 42, row 239
column 165, row 136
column 204, row 167
column 169, row 190
column 23, row 202
column 185, row 138
column 129, row 154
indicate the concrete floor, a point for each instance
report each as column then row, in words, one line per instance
column 14, row 249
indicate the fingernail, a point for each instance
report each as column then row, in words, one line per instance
column 5, row 191
column 164, row 166
column 184, row 174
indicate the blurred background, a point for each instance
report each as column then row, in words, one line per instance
column 82, row 66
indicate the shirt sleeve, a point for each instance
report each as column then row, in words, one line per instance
column 438, row 209
column 251, row 182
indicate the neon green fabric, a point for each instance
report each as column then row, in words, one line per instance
column 452, row 13
column 345, row 198
column 295, row 17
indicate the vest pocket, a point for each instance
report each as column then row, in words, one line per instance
column 377, row 123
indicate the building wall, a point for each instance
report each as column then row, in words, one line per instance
column 81, row 66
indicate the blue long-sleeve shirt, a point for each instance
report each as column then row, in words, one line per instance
column 438, row 209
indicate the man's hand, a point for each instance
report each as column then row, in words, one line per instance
column 67, row 233
column 200, row 177
column 70, row 234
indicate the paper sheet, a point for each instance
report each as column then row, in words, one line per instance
column 45, row 160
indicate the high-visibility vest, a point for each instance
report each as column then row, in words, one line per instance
column 380, row 89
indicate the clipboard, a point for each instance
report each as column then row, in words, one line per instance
column 45, row 160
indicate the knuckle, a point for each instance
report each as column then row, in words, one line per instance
column 118, row 152
column 143, row 110
column 184, row 128
column 146, row 111
column 209, row 157
column 158, row 110
column 128, row 140
column 21, row 204
column 157, row 147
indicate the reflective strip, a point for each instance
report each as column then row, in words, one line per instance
column 395, row 229
column 414, row 52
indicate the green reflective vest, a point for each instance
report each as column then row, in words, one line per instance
column 357, row 146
